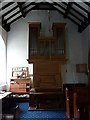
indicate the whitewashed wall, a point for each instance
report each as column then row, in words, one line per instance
column 3, row 71
column 3, row 33
column 86, row 45
column 17, row 44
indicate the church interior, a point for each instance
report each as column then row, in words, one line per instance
column 45, row 60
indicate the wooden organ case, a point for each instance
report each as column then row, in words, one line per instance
column 47, row 55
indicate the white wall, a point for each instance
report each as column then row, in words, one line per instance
column 86, row 45
column 85, row 49
column 17, row 48
column 3, row 33
column 3, row 39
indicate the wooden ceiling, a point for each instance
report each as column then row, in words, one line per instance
column 77, row 12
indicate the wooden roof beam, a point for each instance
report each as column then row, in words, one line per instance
column 40, row 6
column 82, row 27
column 11, row 10
column 15, row 19
column 69, row 13
column 82, row 8
column 69, row 5
column 4, row 22
column 26, row 12
column 7, row 5
column 21, row 9
column 5, row 25
column 45, row 7
column 32, row 3
column 55, row 3
column 59, row 10
column 12, row 15
column 67, row 16
column 16, row 14
column 87, row 3
column 80, row 14
column 84, row 24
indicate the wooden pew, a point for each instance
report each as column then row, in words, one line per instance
column 70, row 96
column 69, row 103
column 75, row 107
column 81, row 103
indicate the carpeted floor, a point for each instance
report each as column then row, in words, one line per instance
column 24, row 114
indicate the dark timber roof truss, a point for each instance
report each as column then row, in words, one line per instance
column 79, row 13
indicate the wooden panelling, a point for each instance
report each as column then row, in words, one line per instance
column 47, row 75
